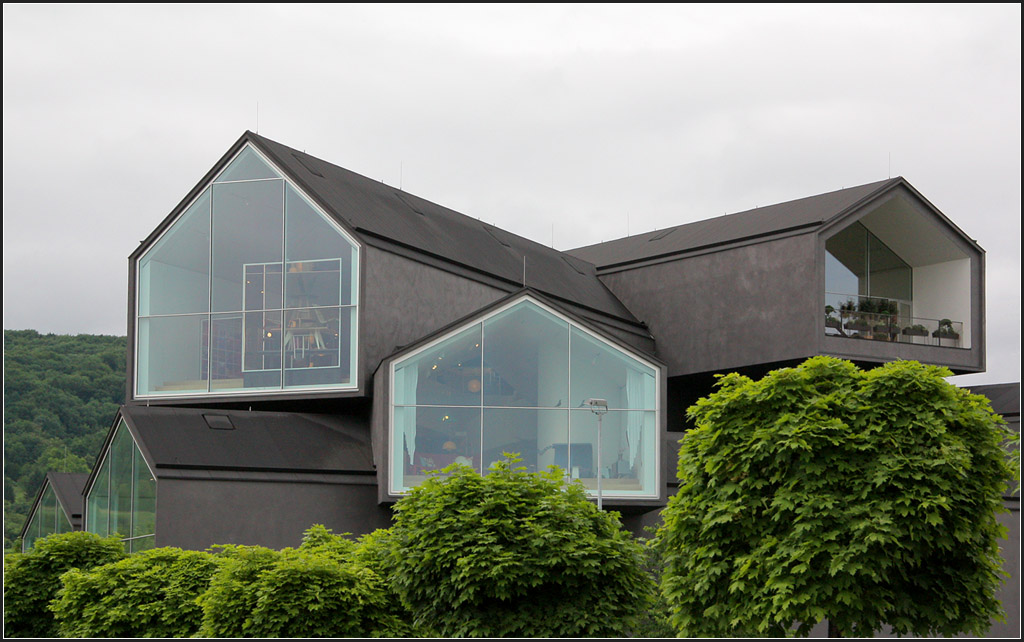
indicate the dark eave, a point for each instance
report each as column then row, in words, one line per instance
column 793, row 217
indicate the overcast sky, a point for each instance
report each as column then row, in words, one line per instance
column 564, row 123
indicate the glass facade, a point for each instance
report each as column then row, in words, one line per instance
column 516, row 381
column 252, row 289
column 48, row 518
column 122, row 499
column 858, row 265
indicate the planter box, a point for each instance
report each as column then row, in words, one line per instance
column 915, row 333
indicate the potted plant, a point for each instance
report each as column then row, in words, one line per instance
column 916, row 330
column 946, row 330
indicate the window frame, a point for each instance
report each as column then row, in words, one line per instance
column 350, row 310
column 137, row 455
column 614, row 496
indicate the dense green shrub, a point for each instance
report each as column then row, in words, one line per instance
column 826, row 492
column 513, row 554
column 318, row 590
column 148, row 594
column 32, row 579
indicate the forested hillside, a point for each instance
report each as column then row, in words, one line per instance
column 60, row 396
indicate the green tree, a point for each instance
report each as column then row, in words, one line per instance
column 320, row 589
column 148, row 594
column 512, row 554
column 827, row 492
column 32, row 579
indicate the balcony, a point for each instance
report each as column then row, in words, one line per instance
column 880, row 319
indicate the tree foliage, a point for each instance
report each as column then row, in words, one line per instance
column 823, row 491
column 317, row 590
column 32, row 579
column 148, row 594
column 512, row 554
column 61, row 393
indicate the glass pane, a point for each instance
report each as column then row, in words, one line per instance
column 247, row 166
column 262, row 348
column 447, row 374
column 320, row 259
column 313, row 283
column 846, row 272
column 537, row 435
column 121, row 476
column 48, row 512
column 32, row 532
column 247, row 227
column 318, row 347
column 225, row 342
column 172, row 354
column 890, row 275
column 141, row 544
column 174, row 275
column 431, row 438
column 63, row 525
column 262, row 286
column 98, row 502
column 627, row 453
column 603, row 372
column 143, row 498
column 526, row 358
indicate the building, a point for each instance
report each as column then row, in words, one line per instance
column 305, row 343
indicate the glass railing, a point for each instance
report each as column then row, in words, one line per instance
column 878, row 319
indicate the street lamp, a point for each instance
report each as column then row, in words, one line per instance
column 599, row 407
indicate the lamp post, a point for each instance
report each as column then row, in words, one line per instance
column 599, row 407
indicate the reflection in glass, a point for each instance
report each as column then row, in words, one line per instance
column 121, row 476
column 122, row 499
column 98, row 502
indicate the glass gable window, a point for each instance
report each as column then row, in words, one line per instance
column 122, row 499
column 252, row 289
column 516, row 381
column 48, row 518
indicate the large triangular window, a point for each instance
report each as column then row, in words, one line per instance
column 252, row 289
column 122, row 497
column 517, row 380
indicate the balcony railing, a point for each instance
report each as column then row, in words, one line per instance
column 880, row 319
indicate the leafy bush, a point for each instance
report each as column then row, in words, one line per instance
column 822, row 491
column 317, row 590
column 513, row 554
column 32, row 579
column 148, row 594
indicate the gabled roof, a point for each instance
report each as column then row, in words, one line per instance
column 68, row 487
column 507, row 301
column 387, row 216
column 269, row 442
column 803, row 215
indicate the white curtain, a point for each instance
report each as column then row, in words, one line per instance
column 408, row 379
column 634, row 418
